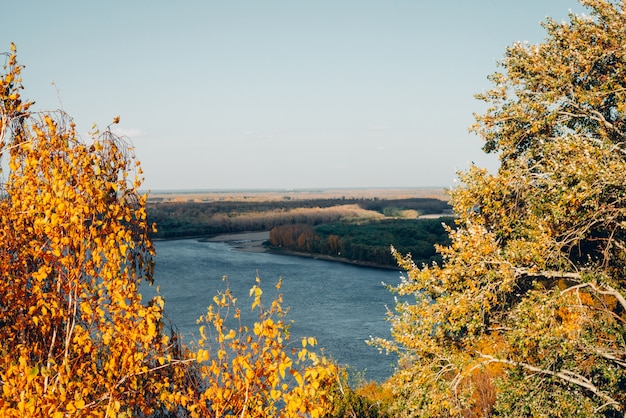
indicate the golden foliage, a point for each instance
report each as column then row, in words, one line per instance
column 526, row 314
column 249, row 371
column 76, row 339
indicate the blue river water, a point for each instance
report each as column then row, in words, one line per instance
column 341, row 305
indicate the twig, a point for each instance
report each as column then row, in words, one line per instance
column 565, row 375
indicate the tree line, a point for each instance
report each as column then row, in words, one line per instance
column 366, row 241
column 190, row 219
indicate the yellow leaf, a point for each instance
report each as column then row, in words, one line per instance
column 298, row 378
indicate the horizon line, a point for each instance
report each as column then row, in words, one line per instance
column 284, row 189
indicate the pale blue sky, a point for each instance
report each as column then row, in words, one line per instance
column 277, row 93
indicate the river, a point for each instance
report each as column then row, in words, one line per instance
column 341, row 305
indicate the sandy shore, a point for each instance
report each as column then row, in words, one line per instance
column 244, row 241
column 253, row 242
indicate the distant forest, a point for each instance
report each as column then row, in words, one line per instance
column 368, row 242
column 351, row 229
column 198, row 219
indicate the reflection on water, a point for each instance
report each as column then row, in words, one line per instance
column 341, row 305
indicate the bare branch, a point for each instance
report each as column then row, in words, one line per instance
column 611, row 357
column 593, row 115
column 547, row 274
column 610, row 291
column 564, row 375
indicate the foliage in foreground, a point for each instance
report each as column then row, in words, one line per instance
column 526, row 315
column 75, row 337
column 250, row 372
column 358, row 399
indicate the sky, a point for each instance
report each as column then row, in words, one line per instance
column 277, row 94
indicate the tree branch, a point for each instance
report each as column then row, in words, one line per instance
column 611, row 357
column 610, row 291
column 564, row 375
column 547, row 274
column 593, row 115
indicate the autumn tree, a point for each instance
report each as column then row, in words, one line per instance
column 526, row 314
column 76, row 338
column 257, row 371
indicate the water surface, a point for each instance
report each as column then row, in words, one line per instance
column 339, row 304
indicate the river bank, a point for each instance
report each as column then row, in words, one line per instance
column 253, row 242
column 243, row 241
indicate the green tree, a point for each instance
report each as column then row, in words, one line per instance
column 526, row 314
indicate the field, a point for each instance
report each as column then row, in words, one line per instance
column 305, row 194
